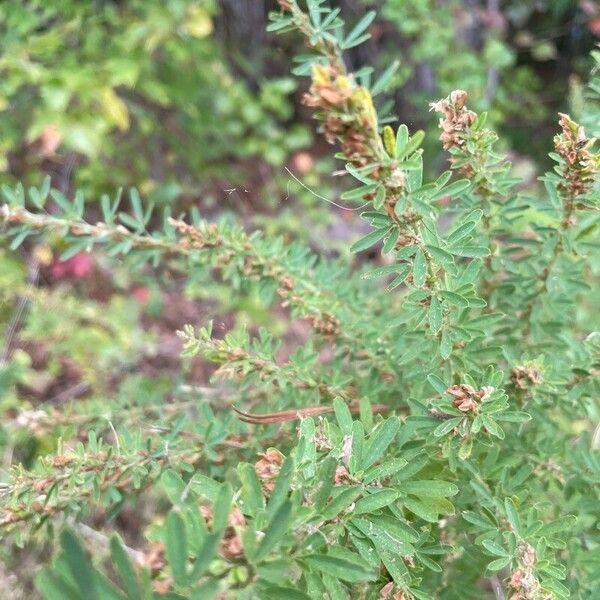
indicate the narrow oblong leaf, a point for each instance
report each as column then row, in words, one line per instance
column 124, row 568
column 419, row 268
column 340, row 568
column 176, row 547
column 277, row 529
column 435, row 315
column 430, row 487
column 380, row 439
column 375, row 501
column 369, row 240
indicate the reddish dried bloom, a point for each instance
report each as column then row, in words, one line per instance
column 329, row 88
column 61, row 460
column 516, row 580
column 162, row 586
column 527, row 555
column 267, row 468
column 347, row 111
column 194, row 238
column 232, row 547
column 467, row 398
column 325, row 324
column 342, row 476
column 456, row 119
column 154, row 557
column 42, row 484
column 231, row 544
column 387, row 592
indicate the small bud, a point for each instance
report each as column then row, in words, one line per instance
column 389, row 140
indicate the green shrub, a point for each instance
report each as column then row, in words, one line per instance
column 435, row 437
column 86, row 84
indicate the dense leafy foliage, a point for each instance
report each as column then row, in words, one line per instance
column 434, row 436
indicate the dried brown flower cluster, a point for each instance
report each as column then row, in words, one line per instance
column 348, row 113
column 389, row 592
column 467, row 398
column 456, row 120
column 231, row 544
column 521, row 377
column 581, row 164
column 268, row 466
column 195, row 239
column 523, row 581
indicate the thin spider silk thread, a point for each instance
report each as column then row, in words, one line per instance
column 319, row 196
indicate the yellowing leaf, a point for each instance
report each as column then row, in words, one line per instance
column 114, row 108
column 198, row 24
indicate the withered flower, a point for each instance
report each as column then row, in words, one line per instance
column 581, row 164
column 268, row 466
column 467, row 398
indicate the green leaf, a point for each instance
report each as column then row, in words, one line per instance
column 252, row 496
column 340, row 502
column 445, row 344
column 435, row 315
column 454, row 189
column 53, row 586
column 401, row 139
column 173, row 485
column 494, row 548
column 390, row 241
column 221, row 507
column 419, row 268
column 276, row 592
column 124, row 569
column 498, row 564
column 469, row 251
column 421, row 509
column 360, row 192
column 176, row 547
column 340, row 568
column 454, row 298
column 384, row 79
column 381, row 271
column 461, row 232
column 431, row 487
column 356, row 35
column 477, row 519
column 402, row 274
column 379, row 197
column 379, row 440
column 513, row 516
column 560, row 524
column 437, row 384
column 385, row 469
column 205, row 556
column 513, row 416
column 492, row 427
column 326, row 474
column 375, row 501
column 277, row 529
column 282, row 486
column 413, row 143
column 447, row 426
column 370, row 239
column 79, row 565
column 343, row 415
